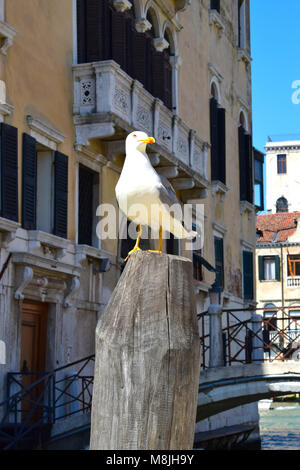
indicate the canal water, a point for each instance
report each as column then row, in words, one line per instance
column 280, row 426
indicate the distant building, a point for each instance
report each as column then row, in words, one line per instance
column 283, row 176
column 278, row 274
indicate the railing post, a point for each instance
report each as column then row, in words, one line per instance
column 216, row 352
column 257, row 345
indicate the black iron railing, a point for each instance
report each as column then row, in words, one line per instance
column 274, row 337
column 37, row 400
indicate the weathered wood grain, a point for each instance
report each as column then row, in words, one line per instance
column 147, row 358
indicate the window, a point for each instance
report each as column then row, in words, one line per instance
column 88, row 200
column 293, row 265
column 215, row 5
column 217, row 139
column 269, row 268
column 248, row 275
column 104, row 33
column 294, row 325
column 282, row 205
column 245, row 165
column 241, row 24
column 44, row 188
column 258, row 180
column 219, row 260
column 281, row 164
column 9, row 172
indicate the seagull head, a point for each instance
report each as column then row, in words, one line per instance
column 138, row 140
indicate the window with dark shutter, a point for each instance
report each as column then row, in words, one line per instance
column 61, row 195
column 246, row 165
column 222, row 145
column 118, row 35
column 9, row 172
column 219, row 260
column 218, row 141
column 88, row 201
column 248, row 275
column 29, row 183
column 214, row 138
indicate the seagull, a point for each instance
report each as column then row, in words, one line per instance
column 139, row 184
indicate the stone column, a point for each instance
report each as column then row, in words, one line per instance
column 257, row 344
column 216, row 358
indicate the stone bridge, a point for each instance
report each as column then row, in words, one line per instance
column 223, row 388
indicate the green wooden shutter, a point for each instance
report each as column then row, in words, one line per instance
column 242, row 164
column 277, row 268
column 214, row 139
column 9, row 172
column 249, row 167
column 261, row 270
column 219, row 260
column 29, row 182
column 222, row 145
column 61, row 195
column 85, row 215
column 248, row 274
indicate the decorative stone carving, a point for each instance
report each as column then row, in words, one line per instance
column 142, row 25
column 143, row 117
column 215, row 19
column 26, row 278
column 87, row 92
column 121, row 100
column 7, row 34
column 160, row 44
column 121, row 5
column 72, row 289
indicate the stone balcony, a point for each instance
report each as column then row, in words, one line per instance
column 108, row 104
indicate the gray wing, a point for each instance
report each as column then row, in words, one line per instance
column 166, row 192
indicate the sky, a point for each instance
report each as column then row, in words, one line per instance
column 275, row 50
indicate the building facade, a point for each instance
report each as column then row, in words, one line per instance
column 76, row 77
column 282, row 168
column 278, row 279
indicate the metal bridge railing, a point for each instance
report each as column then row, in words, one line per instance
column 250, row 337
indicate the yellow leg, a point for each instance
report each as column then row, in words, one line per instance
column 137, row 244
column 160, row 243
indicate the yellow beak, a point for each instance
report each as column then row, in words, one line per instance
column 149, row 140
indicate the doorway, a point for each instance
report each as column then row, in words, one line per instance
column 33, row 353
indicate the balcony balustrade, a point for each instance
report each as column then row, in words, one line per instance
column 108, row 104
column 293, row 281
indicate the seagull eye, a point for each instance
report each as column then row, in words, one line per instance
column 134, row 135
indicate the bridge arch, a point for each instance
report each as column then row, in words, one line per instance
column 224, row 388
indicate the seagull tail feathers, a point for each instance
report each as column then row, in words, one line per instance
column 192, row 234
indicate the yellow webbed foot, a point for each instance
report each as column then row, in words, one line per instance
column 136, row 248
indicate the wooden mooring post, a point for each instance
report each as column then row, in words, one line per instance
column 147, row 358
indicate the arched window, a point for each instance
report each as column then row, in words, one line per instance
column 104, row 33
column 282, row 205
